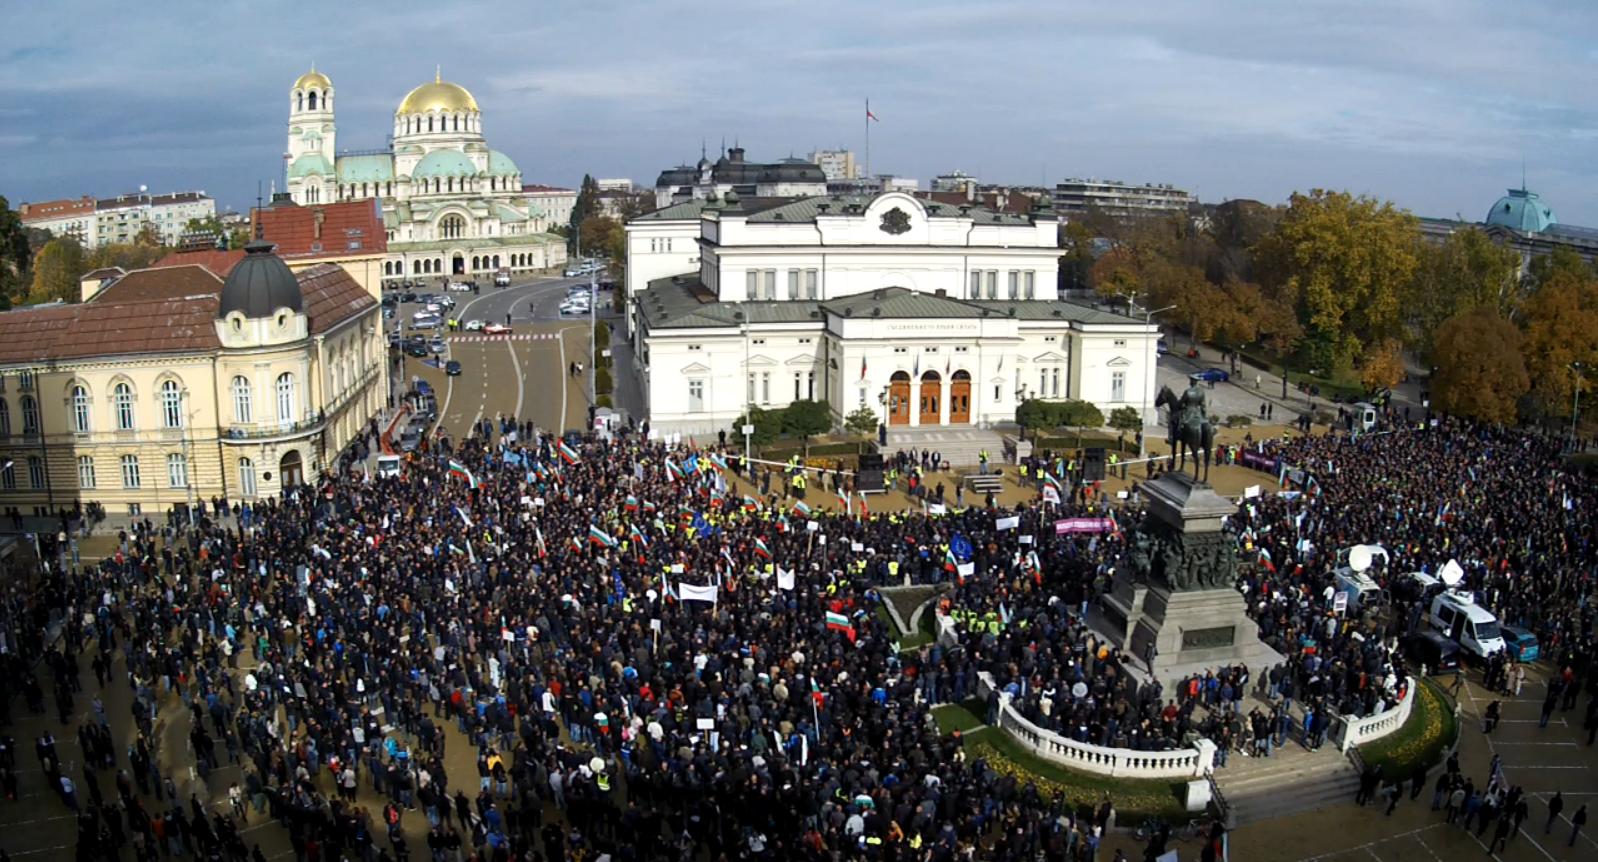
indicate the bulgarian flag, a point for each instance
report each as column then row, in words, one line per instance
column 574, row 544
column 840, row 623
column 672, row 470
column 1053, row 480
column 761, row 549
column 816, row 694
column 639, row 537
column 632, row 503
column 782, row 524
column 567, row 453
column 863, row 512
column 751, row 504
column 718, row 462
column 458, row 470
column 600, row 537
column 843, row 499
column 800, row 509
column 950, row 564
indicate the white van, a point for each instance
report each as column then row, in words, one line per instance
column 388, row 465
column 1357, row 585
column 1457, row 616
column 1364, row 417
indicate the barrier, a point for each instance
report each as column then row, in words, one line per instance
column 1350, row 732
column 1195, row 762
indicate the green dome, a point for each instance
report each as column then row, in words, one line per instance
column 445, row 163
column 500, row 165
column 1523, row 211
column 361, row 169
column 310, row 164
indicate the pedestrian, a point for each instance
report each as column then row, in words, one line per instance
column 1577, row 820
column 1459, row 681
column 1555, row 806
column 1395, row 792
column 1491, row 720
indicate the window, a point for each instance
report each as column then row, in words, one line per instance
column 1029, row 284
column 812, row 284
column 177, row 470
column 1054, row 377
column 1015, row 284
column 80, row 409
column 765, row 387
column 759, row 341
column 901, row 349
column 25, row 381
column 976, row 285
column 1049, row 338
column 171, row 405
column 1118, row 386
column 122, row 404
column 696, row 347
column 247, row 477
column 8, row 477
column 241, row 400
column 696, row 395
column 798, row 379
column 932, row 350
column 769, row 282
column 35, row 471
column 85, row 472
column 1043, row 382
column 998, row 392
column 961, row 349
column 793, row 285
column 5, row 418
column 752, row 284
column 130, row 471
column 30, row 415
column 804, row 341
column 810, row 385
column 862, row 396
column 751, row 397
column 993, row 283
column 285, row 397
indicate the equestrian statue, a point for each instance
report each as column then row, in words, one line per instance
column 1190, row 426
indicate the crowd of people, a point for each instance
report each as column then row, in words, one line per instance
column 646, row 662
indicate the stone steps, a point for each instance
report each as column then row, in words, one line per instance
column 982, row 484
column 1295, row 780
column 960, row 447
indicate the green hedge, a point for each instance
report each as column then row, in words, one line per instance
column 1068, row 443
column 602, row 382
column 793, row 447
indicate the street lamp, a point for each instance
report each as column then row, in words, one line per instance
column 1575, row 407
column 1153, row 371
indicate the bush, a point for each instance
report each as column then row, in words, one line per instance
column 604, row 401
column 806, row 419
column 862, row 422
column 602, row 382
column 768, row 425
column 1238, row 420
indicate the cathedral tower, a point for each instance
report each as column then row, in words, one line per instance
column 311, row 141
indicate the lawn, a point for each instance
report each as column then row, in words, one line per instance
column 1422, row 741
column 1135, row 801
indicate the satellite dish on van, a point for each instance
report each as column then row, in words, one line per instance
column 1359, row 558
column 1451, row 574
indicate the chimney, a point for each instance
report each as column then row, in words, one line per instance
column 736, row 154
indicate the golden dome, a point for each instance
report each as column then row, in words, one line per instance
column 311, row 79
column 440, row 96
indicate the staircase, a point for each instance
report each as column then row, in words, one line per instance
column 958, row 446
column 1290, row 780
column 983, row 483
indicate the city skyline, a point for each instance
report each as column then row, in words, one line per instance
column 1433, row 106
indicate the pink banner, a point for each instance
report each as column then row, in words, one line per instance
column 1083, row 525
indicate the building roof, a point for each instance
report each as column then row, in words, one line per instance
column 66, row 208
column 368, row 168
column 805, row 210
column 1521, row 210
column 218, row 261
column 501, row 165
column 731, row 169
column 260, row 285
column 1008, row 202
column 344, row 229
column 444, row 163
column 106, row 272
column 536, row 189
column 900, row 302
column 441, row 96
column 312, row 78
column 154, row 311
column 685, row 211
column 681, row 302
column 143, row 200
column 1043, row 309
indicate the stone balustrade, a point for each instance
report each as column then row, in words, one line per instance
column 1348, row 732
column 1193, row 762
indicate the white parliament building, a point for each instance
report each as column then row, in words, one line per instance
column 451, row 206
column 929, row 314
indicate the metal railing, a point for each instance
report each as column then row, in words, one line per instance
column 261, row 430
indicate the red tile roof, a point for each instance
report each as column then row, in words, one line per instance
column 164, row 310
column 103, row 273
column 346, row 229
column 1014, row 202
column 220, row 263
column 56, row 209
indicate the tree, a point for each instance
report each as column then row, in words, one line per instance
column 862, row 422
column 1343, row 263
column 149, row 236
column 1561, row 327
column 16, row 255
column 1125, row 419
column 1546, row 269
column 805, row 419
column 768, row 425
column 1076, row 265
column 128, row 257
column 1480, row 371
column 587, row 203
column 1466, row 271
column 1079, row 415
column 57, row 272
column 1035, row 415
column 1383, row 366
column 1117, row 274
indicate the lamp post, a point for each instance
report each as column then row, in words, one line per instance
column 1153, row 371
column 1575, row 407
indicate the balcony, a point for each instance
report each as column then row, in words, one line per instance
column 257, row 431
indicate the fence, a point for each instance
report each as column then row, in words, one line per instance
column 1348, row 732
column 1193, row 762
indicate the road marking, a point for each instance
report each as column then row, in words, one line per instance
column 1570, row 744
column 1561, row 722
column 449, row 392
column 1428, row 847
column 40, row 850
column 565, row 384
column 521, row 385
column 1369, row 844
column 1568, row 821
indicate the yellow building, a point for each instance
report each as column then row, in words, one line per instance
column 171, row 385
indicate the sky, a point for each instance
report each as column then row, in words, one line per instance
column 1433, row 104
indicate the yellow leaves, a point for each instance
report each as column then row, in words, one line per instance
column 1383, row 365
column 1481, row 372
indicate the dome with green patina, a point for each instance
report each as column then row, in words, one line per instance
column 371, row 168
column 1521, row 210
column 500, row 165
column 310, row 164
column 444, row 163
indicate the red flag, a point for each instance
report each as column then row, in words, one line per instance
column 862, row 368
column 869, row 115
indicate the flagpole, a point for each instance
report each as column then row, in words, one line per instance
column 868, row 139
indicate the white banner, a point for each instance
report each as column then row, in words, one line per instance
column 966, row 569
column 1011, row 523
column 693, row 593
column 785, row 578
column 1251, row 492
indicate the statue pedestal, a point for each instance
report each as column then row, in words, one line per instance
column 1201, row 626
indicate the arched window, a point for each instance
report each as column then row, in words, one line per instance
column 5, row 418
column 457, row 122
column 416, row 267
column 80, row 410
column 312, row 101
column 429, row 124
column 171, row 405
column 496, row 261
column 299, row 101
column 122, row 405
column 242, row 410
column 285, row 397
column 449, row 184
column 30, row 415
column 453, row 227
column 247, row 477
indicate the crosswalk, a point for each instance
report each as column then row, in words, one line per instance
column 526, row 336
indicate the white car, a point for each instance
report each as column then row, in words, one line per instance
column 459, row 285
column 435, row 307
column 572, row 273
column 473, row 325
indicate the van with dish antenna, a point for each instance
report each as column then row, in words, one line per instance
column 1455, row 614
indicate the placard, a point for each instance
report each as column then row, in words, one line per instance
column 966, row 569
column 1251, row 492
column 856, row 547
column 1340, row 604
column 704, row 724
column 1011, row 523
column 654, row 625
column 1025, row 540
column 676, row 568
column 812, row 526
column 937, row 509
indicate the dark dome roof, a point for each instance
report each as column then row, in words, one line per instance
column 260, row 284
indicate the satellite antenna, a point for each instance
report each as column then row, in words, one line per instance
column 1359, row 558
column 1451, row 574
column 143, row 188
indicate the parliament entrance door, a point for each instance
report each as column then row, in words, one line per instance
column 899, row 399
column 960, row 398
column 931, row 398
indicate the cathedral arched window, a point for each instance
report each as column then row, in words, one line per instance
column 429, row 124
column 299, row 101
column 312, row 102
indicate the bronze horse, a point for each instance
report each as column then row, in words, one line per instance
column 1190, row 426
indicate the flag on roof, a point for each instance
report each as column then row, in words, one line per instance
column 567, row 453
column 600, row 537
column 761, row 549
column 840, row 623
column 458, row 470
column 862, row 368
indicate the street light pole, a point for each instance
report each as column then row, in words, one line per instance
column 1153, row 371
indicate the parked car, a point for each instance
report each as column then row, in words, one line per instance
column 572, row 306
column 436, row 345
column 422, row 386
column 408, row 296
column 410, row 438
column 1212, row 375
column 1437, row 652
column 460, row 285
column 452, row 368
column 1520, row 644
column 572, row 272
column 418, row 350
column 1162, row 347
column 502, row 278
column 473, row 325
column 496, row 329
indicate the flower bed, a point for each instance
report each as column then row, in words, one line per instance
column 1134, row 801
column 1422, row 741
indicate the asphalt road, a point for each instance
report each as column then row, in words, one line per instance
column 523, row 374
